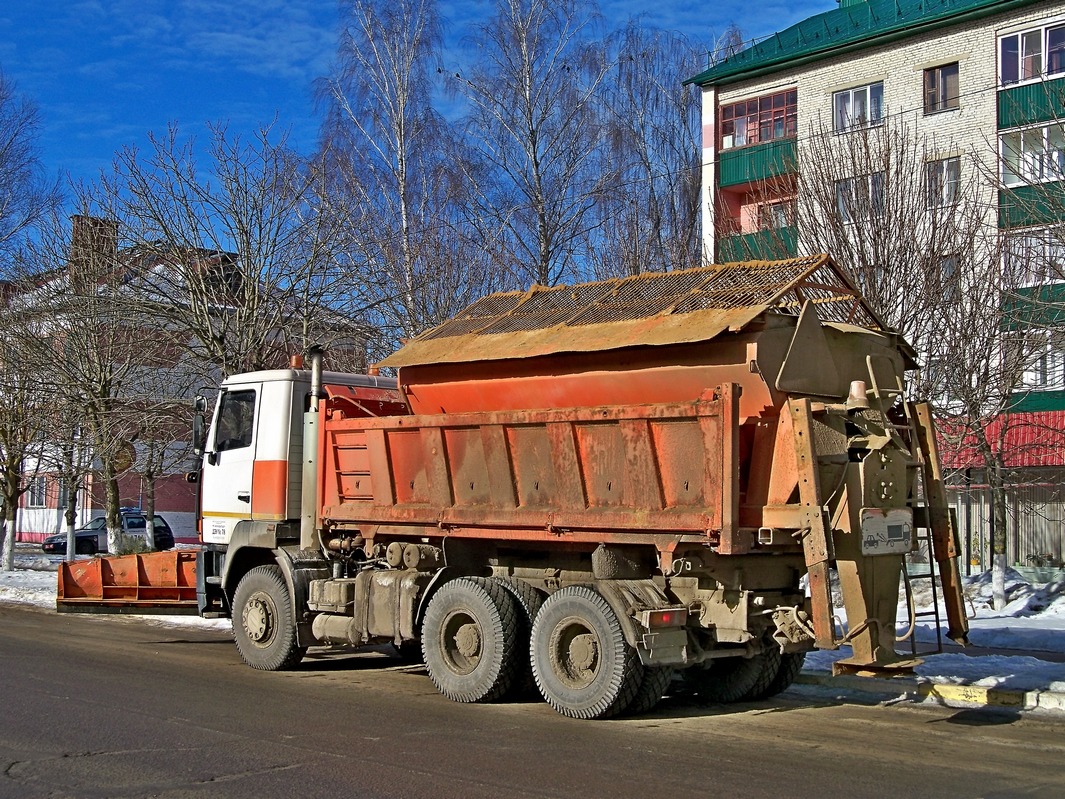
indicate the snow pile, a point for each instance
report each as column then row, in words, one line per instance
column 33, row 585
column 1024, row 600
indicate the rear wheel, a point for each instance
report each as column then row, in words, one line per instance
column 582, row 664
column 469, row 640
column 528, row 601
column 790, row 665
column 653, row 687
column 263, row 625
column 734, row 679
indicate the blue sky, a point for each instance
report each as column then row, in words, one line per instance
column 105, row 72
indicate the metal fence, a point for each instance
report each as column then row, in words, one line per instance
column 1035, row 517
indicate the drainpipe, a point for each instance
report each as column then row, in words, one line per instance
column 309, row 498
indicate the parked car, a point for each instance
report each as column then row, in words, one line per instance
column 92, row 538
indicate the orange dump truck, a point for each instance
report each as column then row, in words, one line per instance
column 596, row 489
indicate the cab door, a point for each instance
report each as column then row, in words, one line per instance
column 228, row 462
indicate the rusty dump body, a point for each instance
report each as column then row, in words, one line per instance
column 690, row 429
column 595, row 486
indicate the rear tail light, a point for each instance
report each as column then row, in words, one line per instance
column 664, row 617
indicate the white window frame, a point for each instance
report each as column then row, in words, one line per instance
column 1033, row 257
column 868, row 203
column 1046, row 368
column 942, row 182
column 1032, row 155
column 37, row 492
column 843, row 103
column 1031, row 55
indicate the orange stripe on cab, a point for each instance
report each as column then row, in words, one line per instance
column 269, row 490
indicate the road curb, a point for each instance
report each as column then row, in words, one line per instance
column 949, row 694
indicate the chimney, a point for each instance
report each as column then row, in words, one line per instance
column 93, row 245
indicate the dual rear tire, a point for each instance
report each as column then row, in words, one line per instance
column 581, row 661
column 483, row 639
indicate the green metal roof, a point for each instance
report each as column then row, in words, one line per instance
column 847, row 28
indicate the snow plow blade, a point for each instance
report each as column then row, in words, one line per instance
column 154, row 583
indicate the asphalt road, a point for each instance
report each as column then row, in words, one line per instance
column 114, row 707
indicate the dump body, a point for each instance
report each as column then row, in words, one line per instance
column 618, row 479
column 612, row 474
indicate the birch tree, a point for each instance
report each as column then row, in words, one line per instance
column 650, row 216
column 537, row 126
column 394, row 178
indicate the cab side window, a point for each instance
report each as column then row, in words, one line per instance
column 236, row 420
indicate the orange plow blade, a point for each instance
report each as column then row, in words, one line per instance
column 157, row 582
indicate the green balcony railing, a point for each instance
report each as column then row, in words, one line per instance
column 757, row 162
column 1032, row 103
column 1038, row 204
column 1033, row 401
column 763, row 245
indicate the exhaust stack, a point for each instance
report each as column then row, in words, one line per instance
column 309, row 497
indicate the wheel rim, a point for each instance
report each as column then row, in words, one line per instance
column 575, row 652
column 461, row 642
column 259, row 619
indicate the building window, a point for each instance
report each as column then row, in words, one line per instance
column 1021, row 55
column 941, row 182
column 1045, row 360
column 773, row 116
column 861, row 197
column 776, row 215
column 941, row 90
column 946, row 279
column 36, row 492
column 1035, row 257
column 855, row 108
column 1033, row 155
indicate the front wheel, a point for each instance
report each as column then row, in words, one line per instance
column 582, row 664
column 263, row 626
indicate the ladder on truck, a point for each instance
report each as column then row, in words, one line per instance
column 935, row 521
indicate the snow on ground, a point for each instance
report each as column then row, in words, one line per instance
column 34, row 582
column 1033, row 621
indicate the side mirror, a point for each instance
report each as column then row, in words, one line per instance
column 199, row 426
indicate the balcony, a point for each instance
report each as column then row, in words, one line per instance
column 1024, row 206
column 763, row 245
column 757, row 162
column 1031, row 103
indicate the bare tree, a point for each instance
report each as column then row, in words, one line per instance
column 905, row 220
column 394, row 181
column 913, row 219
column 90, row 345
column 238, row 261
column 649, row 218
column 23, row 415
column 535, row 122
column 25, row 195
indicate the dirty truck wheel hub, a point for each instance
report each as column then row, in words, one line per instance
column 258, row 618
column 462, row 642
column 575, row 651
